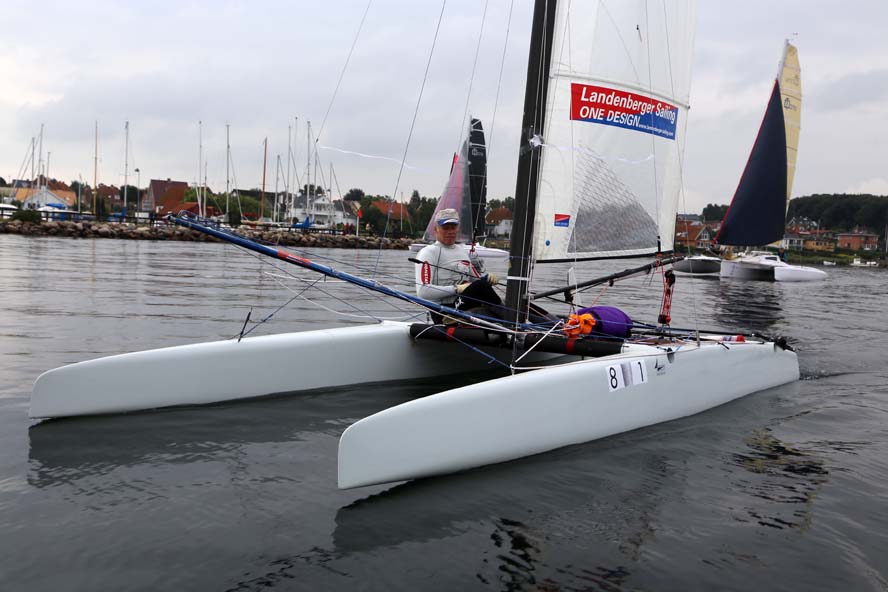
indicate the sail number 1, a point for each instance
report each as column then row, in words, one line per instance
column 625, row 374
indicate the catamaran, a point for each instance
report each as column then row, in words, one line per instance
column 757, row 213
column 598, row 177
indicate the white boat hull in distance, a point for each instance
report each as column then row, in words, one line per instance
column 698, row 265
column 525, row 414
column 227, row 370
column 798, row 273
column 482, row 251
column 768, row 268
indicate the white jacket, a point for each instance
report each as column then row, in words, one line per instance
column 443, row 268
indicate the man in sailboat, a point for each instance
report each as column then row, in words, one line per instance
column 450, row 275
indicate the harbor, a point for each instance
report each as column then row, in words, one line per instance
column 163, row 231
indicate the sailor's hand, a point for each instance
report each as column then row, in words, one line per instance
column 461, row 287
column 492, row 279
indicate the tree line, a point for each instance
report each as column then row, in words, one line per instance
column 833, row 211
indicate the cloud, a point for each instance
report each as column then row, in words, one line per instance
column 874, row 186
column 851, row 91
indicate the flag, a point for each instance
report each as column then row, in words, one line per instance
column 360, row 213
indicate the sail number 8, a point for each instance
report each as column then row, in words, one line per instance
column 625, row 374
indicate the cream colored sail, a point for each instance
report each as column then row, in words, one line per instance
column 789, row 77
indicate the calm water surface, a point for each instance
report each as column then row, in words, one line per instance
column 786, row 489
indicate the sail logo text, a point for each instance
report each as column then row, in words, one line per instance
column 608, row 106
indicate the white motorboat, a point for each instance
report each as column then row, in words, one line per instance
column 858, row 262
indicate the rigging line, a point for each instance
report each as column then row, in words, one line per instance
column 344, row 67
column 243, row 333
column 416, row 112
column 468, row 345
column 647, row 45
column 274, row 264
column 681, row 191
column 375, row 156
column 499, row 80
column 315, row 256
column 479, row 211
column 321, row 290
column 419, row 98
column 472, row 80
column 410, row 315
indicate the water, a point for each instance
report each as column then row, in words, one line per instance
column 782, row 490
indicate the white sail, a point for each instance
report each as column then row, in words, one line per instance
column 615, row 125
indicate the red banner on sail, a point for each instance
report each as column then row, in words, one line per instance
column 620, row 108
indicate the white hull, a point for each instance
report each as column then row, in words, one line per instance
column 768, row 268
column 798, row 273
column 226, row 370
column 538, row 411
column 698, row 265
column 482, row 251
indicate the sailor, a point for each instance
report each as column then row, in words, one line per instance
column 452, row 275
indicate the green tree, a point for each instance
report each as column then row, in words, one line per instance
column 714, row 212
column 509, row 203
column 353, row 194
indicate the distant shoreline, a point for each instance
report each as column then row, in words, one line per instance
column 168, row 232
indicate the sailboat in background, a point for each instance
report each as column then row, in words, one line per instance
column 598, row 177
column 466, row 192
column 757, row 214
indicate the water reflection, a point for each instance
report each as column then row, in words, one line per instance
column 70, row 449
column 783, row 475
column 754, row 307
column 603, row 496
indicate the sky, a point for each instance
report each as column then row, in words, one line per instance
column 267, row 67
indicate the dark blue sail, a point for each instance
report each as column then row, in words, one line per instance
column 757, row 214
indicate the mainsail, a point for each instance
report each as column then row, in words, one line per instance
column 615, row 115
column 757, row 214
column 466, row 190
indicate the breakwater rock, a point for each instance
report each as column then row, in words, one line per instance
column 179, row 233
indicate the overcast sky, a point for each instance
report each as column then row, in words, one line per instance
column 257, row 65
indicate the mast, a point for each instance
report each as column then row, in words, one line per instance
column 125, row 164
column 264, row 162
column 308, row 204
column 227, row 162
column 521, row 244
column 95, row 169
column 289, row 160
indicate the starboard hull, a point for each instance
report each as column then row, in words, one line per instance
column 538, row 411
column 228, row 370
